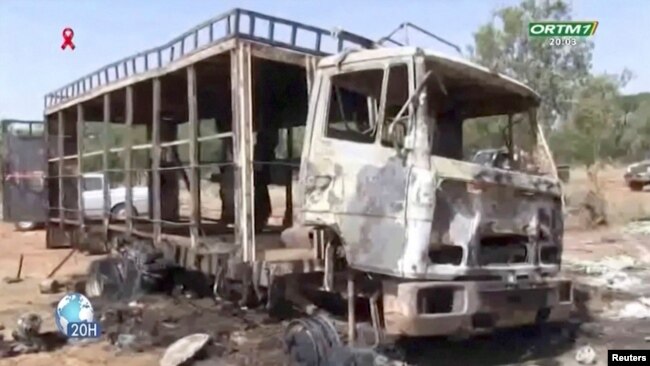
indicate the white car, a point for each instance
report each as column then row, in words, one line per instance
column 93, row 198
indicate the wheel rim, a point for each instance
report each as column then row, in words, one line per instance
column 25, row 225
column 120, row 214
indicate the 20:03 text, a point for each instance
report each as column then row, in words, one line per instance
column 562, row 42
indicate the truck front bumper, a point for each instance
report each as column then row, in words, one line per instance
column 452, row 308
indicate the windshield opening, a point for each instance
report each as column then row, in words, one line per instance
column 483, row 120
column 362, row 104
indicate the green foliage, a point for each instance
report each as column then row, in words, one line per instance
column 555, row 72
column 584, row 115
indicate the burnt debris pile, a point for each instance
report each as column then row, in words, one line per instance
column 222, row 330
column 28, row 338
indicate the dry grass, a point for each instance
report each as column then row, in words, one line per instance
column 623, row 205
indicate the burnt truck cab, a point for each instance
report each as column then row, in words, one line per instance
column 458, row 246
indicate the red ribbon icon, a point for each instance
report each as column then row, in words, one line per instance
column 68, row 33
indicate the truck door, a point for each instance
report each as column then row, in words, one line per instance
column 24, row 195
column 355, row 181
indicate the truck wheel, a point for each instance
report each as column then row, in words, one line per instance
column 112, row 278
column 119, row 211
column 104, row 278
column 311, row 340
column 636, row 186
column 25, row 225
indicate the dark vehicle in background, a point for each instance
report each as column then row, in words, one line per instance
column 496, row 158
column 24, row 196
column 637, row 175
column 499, row 158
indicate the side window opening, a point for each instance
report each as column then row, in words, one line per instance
column 353, row 106
column 396, row 96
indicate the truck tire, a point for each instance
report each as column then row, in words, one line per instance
column 112, row 278
column 25, row 225
column 311, row 340
column 636, row 186
column 119, row 211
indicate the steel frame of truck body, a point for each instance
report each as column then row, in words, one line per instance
column 233, row 69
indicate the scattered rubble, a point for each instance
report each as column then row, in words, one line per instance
column 620, row 273
column 184, row 349
column 49, row 286
column 620, row 280
column 238, row 338
column 586, row 355
column 29, row 326
column 27, row 337
column 639, row 227
column 639, row 309
column 605, row 265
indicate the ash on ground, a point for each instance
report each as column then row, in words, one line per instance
column 156, row 321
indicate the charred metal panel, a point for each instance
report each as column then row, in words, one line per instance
column 243, row 149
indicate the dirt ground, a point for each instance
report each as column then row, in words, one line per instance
column 259, row 341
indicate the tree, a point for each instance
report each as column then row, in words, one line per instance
column 594, row 130
column 555, row 72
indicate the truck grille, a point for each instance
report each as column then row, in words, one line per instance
column 503, row 250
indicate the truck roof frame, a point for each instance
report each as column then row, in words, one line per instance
column 238, row 24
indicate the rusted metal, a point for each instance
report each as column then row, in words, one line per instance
column 128, row 159
column 60, row 152
column 106, row 215
column 243, row 150
column 57, row 97
column 79, row 180
column 194, row 174
column 156, row 154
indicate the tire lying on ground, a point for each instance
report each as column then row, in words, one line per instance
column 139, row 269
column 111, row 278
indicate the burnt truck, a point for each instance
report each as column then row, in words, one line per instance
column 337, row 172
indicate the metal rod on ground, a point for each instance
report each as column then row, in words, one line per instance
column 58, row 266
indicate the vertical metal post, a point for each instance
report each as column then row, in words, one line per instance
column 288, row 193
column 106, row 148
column 194, row 177
column 60, row 143
column 352, row 326
column 155, row 162
column 128, row 160
column 47, row 171
column 80, row 154
column 243, row 149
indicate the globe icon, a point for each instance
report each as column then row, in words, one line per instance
column 72, row 308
